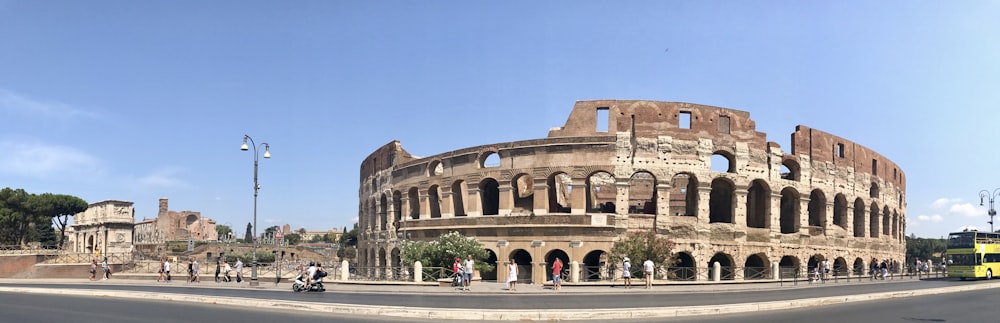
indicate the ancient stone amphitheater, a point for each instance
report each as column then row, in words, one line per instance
column 698, row 175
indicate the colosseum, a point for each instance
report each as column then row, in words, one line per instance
column 701, row 176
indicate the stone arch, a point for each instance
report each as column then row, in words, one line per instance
column 720, row 201
column 434, row 201
column 873, row 190
column 435, row 168
column 895, row 224
column 859, row 266
column 789, row 266
column 840, row 211
column 491, row 259
column 642, row 193
column 840, row 267
column 550, row 259
column 684, row 268
column 859, row 218
column 684, row 195
column 758, row 204
column 458, row 193
column 413, row 199
column 395, row 258
column 190, row 219
column 886, row 221
column 489, row 196
column 383, row 212
column 489, row 159
column 382, row 261
column 790, row 170
column 372, row 215
column 726, row 262
column 522, row 187
column 601, row 192
column 756, row 267
column 873, row 222
column 524, row 264
column 817, row 209
column 814, row 261
column 789, row 210
column 560, row 192
column 723, row 162
column 595, row 264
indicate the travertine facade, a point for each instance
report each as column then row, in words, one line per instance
column 701, row 176
column 105, row 227
column 175, row 226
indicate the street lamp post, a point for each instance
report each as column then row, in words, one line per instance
column 986, row 195
column 256, row 187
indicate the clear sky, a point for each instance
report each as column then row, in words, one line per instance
column 138, row 100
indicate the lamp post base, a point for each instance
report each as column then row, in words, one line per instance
column 253, row 276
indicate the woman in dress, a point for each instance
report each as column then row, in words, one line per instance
column 512, row 275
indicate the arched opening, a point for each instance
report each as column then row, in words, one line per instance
column 458, row 193
column 817, row 209
column 895, row 225
column 886, row 217
column 859, row 266
column 560, row 189
column 434, row 201
column 758, row 205
column 595, row 266
column 489, row 159
column 840, row 267
column 397, row 208
column 726, row 262
column 642, row 193
column 859, row 218
column 383, row 262
column 840, row 211
column 873, row 221
column 789, row 210
column 722, row 162
column 873, row 191
column 756, row 267
column 789, row 170
column 491, row 259
column 550, row 259
column 601, row 192
column 190, row 220
column 413, row 199
column 524, row 194
column 489, row 195
column 523, row 260
column 684, row 268
column 395, row 258
column 720, row 201
column 684, row 195
column 383, row 212
column 814, row 262
column 789, row 267
column 435, row 168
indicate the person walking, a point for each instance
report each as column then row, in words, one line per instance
column 239, row 270
column 627, row 272
column 93, row 269
column 107, row 270
column 647, row 269
column 218, row 266
column 469, row 267
column 226, row 269
column 195, row 271
column 557, row 267
column 512, row 275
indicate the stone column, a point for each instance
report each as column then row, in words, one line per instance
column 663, row 218
column 425, row 205
column 740, row 209
column 506, row 197
column 621, row 200
column 803, row 214
column 472, row 205
column 775, row 216
column 849, row 221
column 578, row 197
column 541, row 192
column 447, row 204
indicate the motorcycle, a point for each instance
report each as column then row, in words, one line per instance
column 300, row 285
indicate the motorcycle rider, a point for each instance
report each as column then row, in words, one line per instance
column 310, row 273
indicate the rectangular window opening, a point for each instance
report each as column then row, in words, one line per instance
column 685, row 120
column 602, row 119
column 839, row 150
column 874, row 166
column 724, row 125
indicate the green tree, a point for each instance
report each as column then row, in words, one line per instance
column 223, row 231
column 270, row 230
column 58, row 208
column 641, row 246
column 924, row 248
column 350, row 239
column 15, row 216
column 442, row 252
column 293, row 238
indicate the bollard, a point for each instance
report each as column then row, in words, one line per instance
column 345, row 270
column 574, row 272
column 716, row 271
column 418, row 272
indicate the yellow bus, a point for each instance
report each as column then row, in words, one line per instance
column 974, row 254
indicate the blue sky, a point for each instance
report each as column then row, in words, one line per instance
column 140, row 100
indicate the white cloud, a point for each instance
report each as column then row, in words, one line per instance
column 935, row 218
column 42, row 160
column 164, row 177
column 965, row 209
column 944, row 202
column 15, row 103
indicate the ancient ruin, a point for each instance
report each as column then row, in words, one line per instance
column 699, row 175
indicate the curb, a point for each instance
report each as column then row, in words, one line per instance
column 501, row 315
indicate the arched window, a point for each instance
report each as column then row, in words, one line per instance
column 720, row 201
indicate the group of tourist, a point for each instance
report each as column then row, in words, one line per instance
column 648, row 269
column 194, row 271
column 463, row 273
column 104, row 269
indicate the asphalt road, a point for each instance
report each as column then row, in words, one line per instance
column 661, row 296
column 975, row 306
